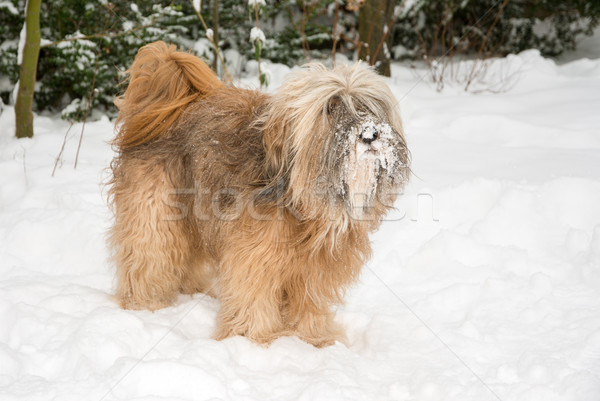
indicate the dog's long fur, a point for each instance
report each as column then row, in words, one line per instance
column 254, row 198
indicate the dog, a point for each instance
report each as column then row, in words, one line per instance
column 264, row 201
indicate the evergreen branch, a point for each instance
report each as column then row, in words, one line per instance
column 105, row 34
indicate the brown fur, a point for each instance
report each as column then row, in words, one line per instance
column 244, row 195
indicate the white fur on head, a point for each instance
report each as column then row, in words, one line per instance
column 320, row 113
column 364, row 163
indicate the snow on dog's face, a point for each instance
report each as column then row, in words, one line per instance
column 336, row 138
column 369, row 157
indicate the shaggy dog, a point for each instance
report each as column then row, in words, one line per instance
column 262, row 200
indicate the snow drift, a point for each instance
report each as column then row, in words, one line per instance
column 484, row 285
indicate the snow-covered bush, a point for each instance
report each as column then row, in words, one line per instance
column 11, row 22
column 304, row 30
column 110, row 33
column 432, row 28
column 86, row 44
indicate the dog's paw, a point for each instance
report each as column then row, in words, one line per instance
column 319, row 342
column 131, row 303
column 262, row 336
column 326, row 341
column 320, row 330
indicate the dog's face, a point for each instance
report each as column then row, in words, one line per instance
column 339, row 141
column 367, row 159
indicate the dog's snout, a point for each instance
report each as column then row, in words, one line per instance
column 369, row 135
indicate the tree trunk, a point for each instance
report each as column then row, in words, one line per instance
column 373, row 19
column 27, row 71
column 215, row 28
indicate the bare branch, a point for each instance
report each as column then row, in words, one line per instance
column 87, row 110
column 335, row 36
column 212, row 42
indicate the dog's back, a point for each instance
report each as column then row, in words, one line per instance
column 176, row 108
column 182, row 136
column 162, row 83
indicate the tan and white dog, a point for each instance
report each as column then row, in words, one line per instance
column 262, row 200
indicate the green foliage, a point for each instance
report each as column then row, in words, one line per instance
column 296, row 31
column 11, row 22
column 432, row 28
column 286, row 46
column 307, row 33
column 235, row 22
column 67, row 67
column 111, row 34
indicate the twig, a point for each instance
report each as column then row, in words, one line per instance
column 87, row 110
column 215, row 25
column 301, row 30
column 305, row 46
column 212, row 42
column 62, row 148
column 25, row 166
column 475, row 62
column 335, row 36
column 256, row 24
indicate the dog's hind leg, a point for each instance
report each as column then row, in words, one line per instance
column 149, row 239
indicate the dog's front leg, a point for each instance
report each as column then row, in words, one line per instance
column 250, row 294
column 310, row 321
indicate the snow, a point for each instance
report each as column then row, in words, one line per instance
column 257, row 34
column 8, row 6
column 256, row 3
column 484, row 283
column 127, row 25
column 21, row 45
column 203, row 48
column 365, row 161
column 210, row 34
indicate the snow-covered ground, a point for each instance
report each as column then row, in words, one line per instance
column 484, row 284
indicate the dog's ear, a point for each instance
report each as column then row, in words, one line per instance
column 333, row 105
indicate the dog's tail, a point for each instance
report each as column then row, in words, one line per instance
column 162, row 82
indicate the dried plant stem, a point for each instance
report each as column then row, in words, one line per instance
column 212, row 42
column 305, row 46
column 62, row 148
column 215, row 23
column 335, row 36
column 87, row 111
column 260, row 81
column 301, row 30
column 476, row 61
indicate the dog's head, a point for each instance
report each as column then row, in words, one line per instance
column 335, row 138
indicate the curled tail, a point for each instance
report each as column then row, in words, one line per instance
column 162, row 82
